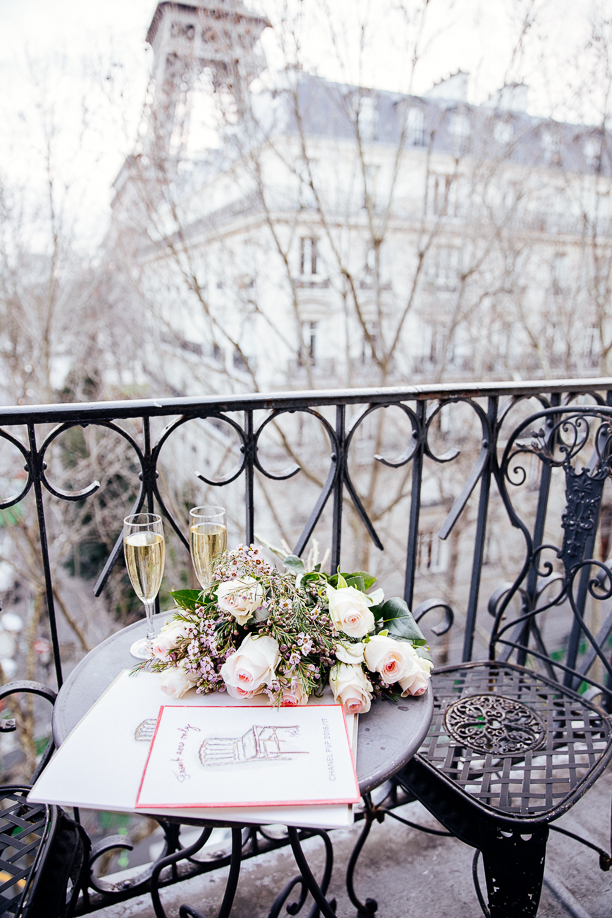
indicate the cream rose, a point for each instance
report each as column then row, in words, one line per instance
column 292, row 697
column 351, row 687
column 350, row 610
column 392, row 659
column 416, row 683
column 251, row 667
column 166, row 641
column 175, row 681
column 240, row 597
column 349, row 653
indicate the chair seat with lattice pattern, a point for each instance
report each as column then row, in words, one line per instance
column 23, row 828
column 515, row 742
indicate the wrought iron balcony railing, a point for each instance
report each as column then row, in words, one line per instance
column 461, row 420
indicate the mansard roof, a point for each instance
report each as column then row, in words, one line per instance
column 324, row 110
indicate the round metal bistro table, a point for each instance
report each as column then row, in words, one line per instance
column 388, row 736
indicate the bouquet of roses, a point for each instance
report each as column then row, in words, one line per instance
column 288, row 634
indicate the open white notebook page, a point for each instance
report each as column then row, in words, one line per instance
column 100, row 764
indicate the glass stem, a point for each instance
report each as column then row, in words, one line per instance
column 149, row 609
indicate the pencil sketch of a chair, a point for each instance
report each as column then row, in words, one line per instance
column 257, row 743
column 145, row 731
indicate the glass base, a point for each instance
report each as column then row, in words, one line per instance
column 141, row 649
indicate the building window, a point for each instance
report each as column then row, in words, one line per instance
column 182, row 30
column 503, row 132
column 432, row 553
column 370, row 177
column 444, row 268
column 605, row 531
column 591, row 345
column 239, row 361
column 370, row 341
column 592, row 152
column 370, row 261
column 459, row 129
column 309, row 339
column 416, row 127
column 309, row 255
column 368, row 119
column 560, row 273
column 551, row 148
column 442, row 197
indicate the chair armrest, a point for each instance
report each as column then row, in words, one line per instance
column 33, row 688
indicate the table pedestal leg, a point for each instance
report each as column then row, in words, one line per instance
column 186, row 911
column 369, row 907
column 309, row 883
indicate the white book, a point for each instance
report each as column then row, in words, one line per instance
column 101, row 763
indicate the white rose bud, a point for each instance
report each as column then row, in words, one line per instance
column 350, row 610
column 175, row 681
column 167, row 640
column 251, row 667
column 292, row 697
column 349, row 653
column 351, row 688
column 240, row 597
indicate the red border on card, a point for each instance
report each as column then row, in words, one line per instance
column 234, row 805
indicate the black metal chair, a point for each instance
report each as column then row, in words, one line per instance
column 43, row 852
column 517, row 739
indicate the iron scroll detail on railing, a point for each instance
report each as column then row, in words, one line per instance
column 577, row 440
column 248, row 418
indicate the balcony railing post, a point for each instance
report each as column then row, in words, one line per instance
column 149, row 473
column 36, row 471
column 481, row 533
column 415, row 504
column 148, row 476
column 249, row 475
column 538, row 536
column 338, row 487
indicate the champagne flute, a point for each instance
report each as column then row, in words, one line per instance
column 144, row 547
column 207, row 540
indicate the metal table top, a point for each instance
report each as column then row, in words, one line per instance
column 389, row 734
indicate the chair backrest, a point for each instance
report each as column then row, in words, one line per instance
column 564, row 622
column 44, row 853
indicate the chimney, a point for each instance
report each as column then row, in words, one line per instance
column 453, row 88
column 512, row 97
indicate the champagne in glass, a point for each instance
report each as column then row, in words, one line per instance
column 144, row 548
column 207, row 540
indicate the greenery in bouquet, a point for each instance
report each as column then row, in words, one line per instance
column 288, row 634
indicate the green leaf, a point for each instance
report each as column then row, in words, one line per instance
column 368, row 579
column 424, row 653
column 349, row 578
column 395, row 615
column 294, row 564
column 187, row 599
